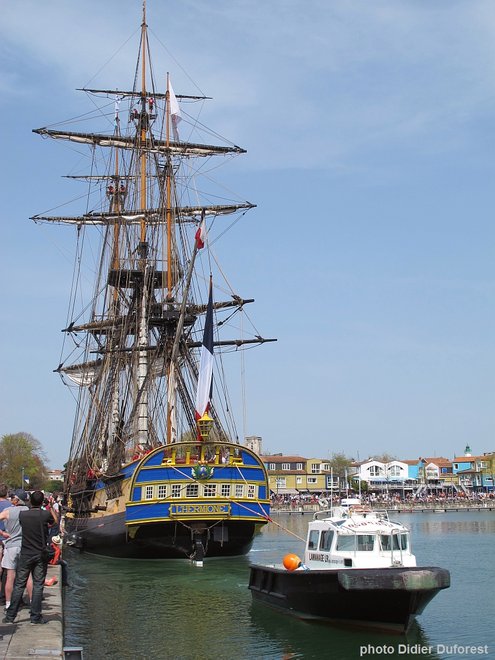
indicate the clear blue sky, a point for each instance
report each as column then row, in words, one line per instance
column 370, row 134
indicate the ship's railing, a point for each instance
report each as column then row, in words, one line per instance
column 191, row 454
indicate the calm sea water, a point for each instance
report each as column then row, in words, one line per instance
column 124, row 609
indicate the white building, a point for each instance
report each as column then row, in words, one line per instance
column 253, row 442
column 56, row 475
column 373, row 471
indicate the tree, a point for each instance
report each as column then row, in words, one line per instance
column 362, row 486
column 53, row 486
column 22, row 455
column 340, row 465
column 384, row 458
column 189, row 436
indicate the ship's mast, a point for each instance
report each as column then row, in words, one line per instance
column 171, row 384
column 116, row 204
column 171, row 366
column 143, row 125
column 140, row 338
column 142, row 393
column 168, row 192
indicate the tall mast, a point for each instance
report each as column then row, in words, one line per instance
column 143, row 123
column 116, row 204
column 142, row 391
column 168, row 192
column 171, row 380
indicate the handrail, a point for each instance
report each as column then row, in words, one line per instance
column 395, row 532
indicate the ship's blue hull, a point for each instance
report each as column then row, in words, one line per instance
column 184, row 500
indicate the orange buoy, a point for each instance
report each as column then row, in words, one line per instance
column 291, row 562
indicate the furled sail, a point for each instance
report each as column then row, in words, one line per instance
column 151, row 216
column 171, row 148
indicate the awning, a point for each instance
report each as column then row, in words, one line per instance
column 285, row 491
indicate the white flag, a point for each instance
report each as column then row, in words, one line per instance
column 174, row 110
column 174, row 104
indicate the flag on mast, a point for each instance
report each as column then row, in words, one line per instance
column 203, row 393
column 174, row 110
column 200, row 235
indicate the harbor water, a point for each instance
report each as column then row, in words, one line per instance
column 123, row 609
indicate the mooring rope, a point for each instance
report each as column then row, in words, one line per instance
column 289, row 531
column 267, row 517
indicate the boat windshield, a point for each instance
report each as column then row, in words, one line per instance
column 326, row 539
column 393, row 542
column 359, row 542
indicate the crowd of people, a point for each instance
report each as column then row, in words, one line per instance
column 30, row 539
column 324, row 500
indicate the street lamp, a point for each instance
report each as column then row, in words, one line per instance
column 22, row 478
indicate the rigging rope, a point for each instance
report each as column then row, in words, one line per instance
column 287, row 530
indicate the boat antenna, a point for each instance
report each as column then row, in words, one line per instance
column 331, row 492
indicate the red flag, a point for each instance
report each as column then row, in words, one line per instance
column 201, row 235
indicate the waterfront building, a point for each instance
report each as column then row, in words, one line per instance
column 387, row 477
column 377, row 472
column 475, row 473
column 295, row 475
column 298, row 475
column 490, row 471
column 254, row 443
column 433, row 475
column 318, row 476
column 56, row 475
column 287, row 474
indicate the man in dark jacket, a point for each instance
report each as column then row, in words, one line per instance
column 32, row 559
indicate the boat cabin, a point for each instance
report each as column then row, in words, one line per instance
column 357, row 537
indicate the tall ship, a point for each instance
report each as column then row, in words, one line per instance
column 156, row 468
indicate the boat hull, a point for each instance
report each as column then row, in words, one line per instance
column 109, row 537
column 162, row 507
column 386, row 599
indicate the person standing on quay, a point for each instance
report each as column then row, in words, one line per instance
column 4, row 504
column 12, row 538
column 32, row 561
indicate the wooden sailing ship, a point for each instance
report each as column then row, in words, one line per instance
column 155, row 468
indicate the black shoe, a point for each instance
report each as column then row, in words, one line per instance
column 38, row 621
column 7, row 620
